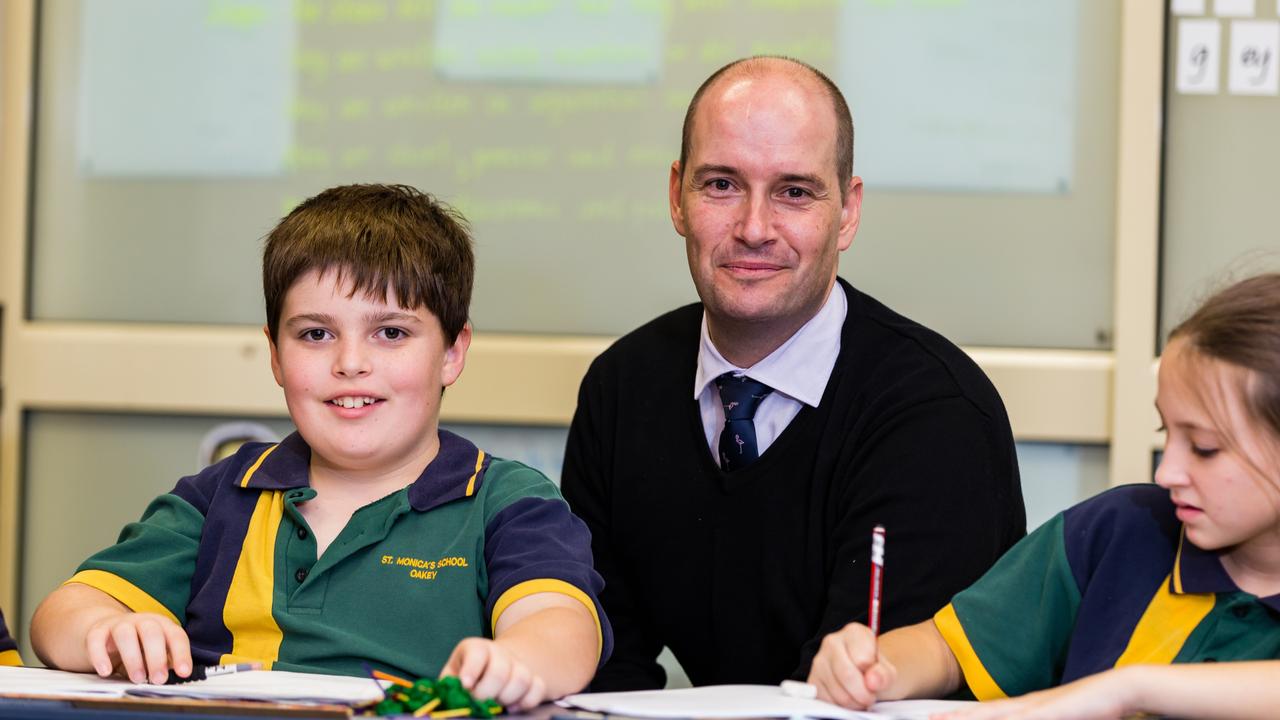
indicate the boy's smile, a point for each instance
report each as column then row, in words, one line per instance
column 363, row 376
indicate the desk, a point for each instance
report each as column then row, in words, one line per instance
column 144, row 709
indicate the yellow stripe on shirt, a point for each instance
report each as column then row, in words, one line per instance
column 132, row 596
column 255, row 635
column 10, row 658
column 1165, row 625
column 244, row 481
column 529, row 587
column 1177, row 563
column 984, row 686
column 471, row 484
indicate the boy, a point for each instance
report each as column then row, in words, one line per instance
column 8, row 648
column 369, row 535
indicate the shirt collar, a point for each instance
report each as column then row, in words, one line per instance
column 1200, row 571
column 456, row 472
column 799, row 368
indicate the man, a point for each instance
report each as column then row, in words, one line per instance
column 732, row 457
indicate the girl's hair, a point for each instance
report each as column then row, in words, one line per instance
column 1241, row 326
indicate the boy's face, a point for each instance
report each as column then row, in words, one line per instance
column 1226, row 493
column 363, row 376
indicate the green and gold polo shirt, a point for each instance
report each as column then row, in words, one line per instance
column 1110, row 582
column 227, row 555
column 8, row 648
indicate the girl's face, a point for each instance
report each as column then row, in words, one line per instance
column 1227, row 493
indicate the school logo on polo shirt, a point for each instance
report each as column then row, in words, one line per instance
column 422, row 569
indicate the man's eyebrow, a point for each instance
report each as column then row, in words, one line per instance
column 704, row 170
column 318, row 318
column 813, row 180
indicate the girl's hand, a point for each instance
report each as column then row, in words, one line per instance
column 1098, row 697
column 848, row 669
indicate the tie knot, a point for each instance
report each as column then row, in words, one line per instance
column 740, row 395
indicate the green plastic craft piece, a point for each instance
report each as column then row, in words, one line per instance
column 400, row 700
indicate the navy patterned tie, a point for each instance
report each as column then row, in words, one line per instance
column 740, row 396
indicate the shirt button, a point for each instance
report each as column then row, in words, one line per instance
column 1240, row 611
column 300, row 575
column 302, row 533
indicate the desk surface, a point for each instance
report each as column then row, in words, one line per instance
column 132, row 709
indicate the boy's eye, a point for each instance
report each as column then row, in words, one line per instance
column 392, row 333
column 315, row 334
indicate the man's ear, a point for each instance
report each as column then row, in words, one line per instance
column 850, row 213
column 275, row 357
column 455, row 357
column 674, row 186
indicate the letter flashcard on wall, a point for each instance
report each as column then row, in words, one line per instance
column 1252, row 64
column 1198, row 48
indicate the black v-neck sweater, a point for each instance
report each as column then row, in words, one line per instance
column 741, row 574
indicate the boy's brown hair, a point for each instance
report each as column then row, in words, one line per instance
column 375, row 237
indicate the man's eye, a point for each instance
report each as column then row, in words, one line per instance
column 721, row 184
column 796, row 193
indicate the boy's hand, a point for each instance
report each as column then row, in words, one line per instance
column 489, row 670
column 142, row 645
column 848, row 669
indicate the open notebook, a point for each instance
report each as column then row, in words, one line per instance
column 744, row 701
column 270, row 686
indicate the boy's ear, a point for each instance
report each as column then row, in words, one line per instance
column 275, row 357
column 455, row 357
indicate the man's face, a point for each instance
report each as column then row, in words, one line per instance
column 763, row 214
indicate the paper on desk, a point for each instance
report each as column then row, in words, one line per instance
column 264, row 685
column 40, row 682
column 273, row 686
column 738, row 701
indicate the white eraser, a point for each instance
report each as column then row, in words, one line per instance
column 797, row 689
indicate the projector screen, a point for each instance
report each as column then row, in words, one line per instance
column 173, row 134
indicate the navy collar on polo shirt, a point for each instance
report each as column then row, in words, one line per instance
column 456, row 472
column 1200, row 571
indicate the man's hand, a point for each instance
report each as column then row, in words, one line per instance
column 143, row 646
column 848, row 669
column 489, row 670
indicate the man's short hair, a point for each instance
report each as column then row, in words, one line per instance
column 375, row 237
column 844, row 119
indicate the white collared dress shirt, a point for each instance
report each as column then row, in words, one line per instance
column 797, row 371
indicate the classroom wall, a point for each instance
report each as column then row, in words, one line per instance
column 1012, row 153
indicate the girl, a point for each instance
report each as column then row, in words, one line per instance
column 1099, row 601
